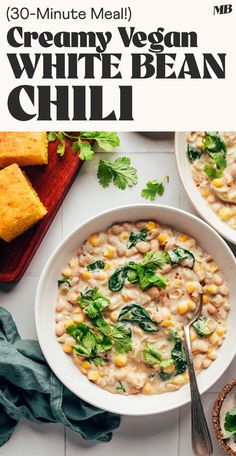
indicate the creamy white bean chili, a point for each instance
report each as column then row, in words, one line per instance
column 122, row 300
column 213, row 163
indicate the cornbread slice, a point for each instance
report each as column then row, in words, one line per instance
column 24, row 148
column 20, row 206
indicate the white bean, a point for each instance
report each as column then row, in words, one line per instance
column 60, row 328
column 116, row 229
column 217, row 279
column 154, row 293
column 143, row 247
column 154, row 244
column 206, row 363
column 200, row 346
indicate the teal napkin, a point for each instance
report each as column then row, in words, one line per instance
column 29, row 388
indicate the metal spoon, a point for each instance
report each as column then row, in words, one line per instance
column 201, row 440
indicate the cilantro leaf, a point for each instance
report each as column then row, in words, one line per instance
column 156, row 258
column 51, row 136
column 80, row 142
column 212, row 172
column 154, row 188
column 119, row 171
column 92, row 301
column 213, row 142
column 106, row 140
column 121, row 335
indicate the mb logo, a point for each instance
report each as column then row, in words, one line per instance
column 223, row 9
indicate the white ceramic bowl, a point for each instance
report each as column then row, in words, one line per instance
column 193, row 193
column 63, row 366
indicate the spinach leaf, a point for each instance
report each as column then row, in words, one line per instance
column 193, row 153
column 212, row 172
column 178, row 354
column 164, row 375
column 136, row 236
column 179, row 255
column 204, row 326
column 96, row 265
column 62, row 281
column 213, row 142
column 92, row 301
column 117, row 279
column 134, row 313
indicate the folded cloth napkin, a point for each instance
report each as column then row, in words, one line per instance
column 29, row 388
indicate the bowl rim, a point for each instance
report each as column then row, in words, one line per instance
column 67, row 238
column 222, row 228
column 222, row 395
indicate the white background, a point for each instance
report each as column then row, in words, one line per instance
column 168, row 433
column 158, row 104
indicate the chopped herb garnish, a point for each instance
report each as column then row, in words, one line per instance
column 230, row 424
column 152, row 355
column 106, row 140
column 63, row 281
column 154, row 188
column 121, row 387
column 213, row 143
column 92, row 301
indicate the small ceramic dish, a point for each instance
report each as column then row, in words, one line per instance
column 222, row 405
column 200, row 204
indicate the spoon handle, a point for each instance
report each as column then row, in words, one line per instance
column 201, row 440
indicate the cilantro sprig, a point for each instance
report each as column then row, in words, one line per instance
column 154, row 188
column 106, row 140
column 216, row 148
column 120, row 172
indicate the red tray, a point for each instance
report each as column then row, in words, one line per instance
column 52, row 183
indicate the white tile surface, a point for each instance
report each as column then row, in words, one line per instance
column 165, row 434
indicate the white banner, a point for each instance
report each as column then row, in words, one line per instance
column 121, row 65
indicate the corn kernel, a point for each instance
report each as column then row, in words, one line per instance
column 178, row 283
column 170, row 369
column 67, row 272
column 110, row 252
column 93, row 375
column 167, row 323
column 213, row 339
column 113, row 316
column 67, row 348
column 193, row 336
column 163, row 238
column 190, row 287
column 77, row 310
column 83, row 370
column 197, row 266
column 69, row 323
column 147, row 389
column 107, row 266
column 79, row 318
column 183, row 238
column 205, row 299
column 209, row 350
column 78, row 362
column 221, row 331
column 121, row 360
column 213, row 267
column 93, row 240
column 225, row 213
column 86, row 365
column 205, row 192
column 101, row 276
column 150, row 225
column 86, row 275
column 191, row 305
column 186, row 377
column 183, row 308
column 212, row 289
column 126, row 297
column 124, row 236
column 217, row 182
